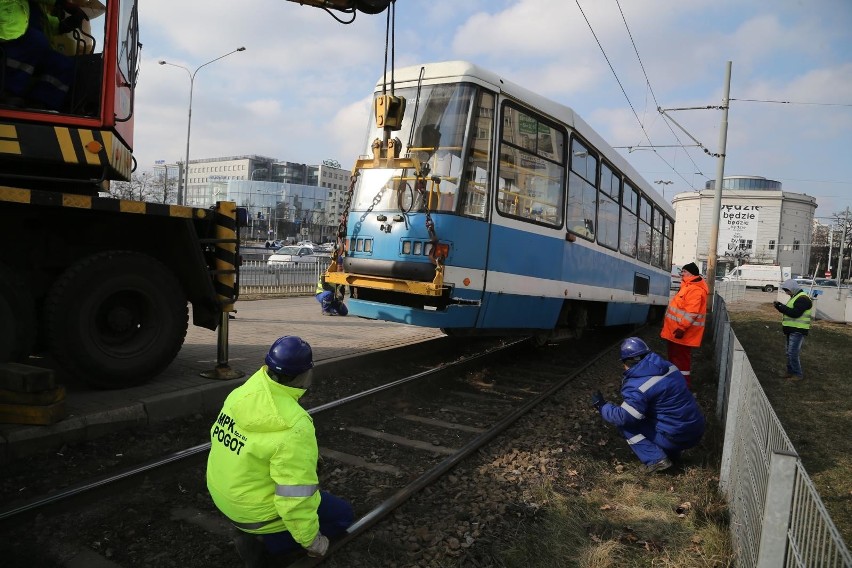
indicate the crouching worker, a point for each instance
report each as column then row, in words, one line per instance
column 262, row 467
column 659, row 417
column 330, row 297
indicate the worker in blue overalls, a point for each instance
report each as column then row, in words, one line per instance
column 330, row 297
column 659, row 416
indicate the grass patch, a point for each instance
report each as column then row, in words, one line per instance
column 607, row 512
column 816, row 413
column 613, row 515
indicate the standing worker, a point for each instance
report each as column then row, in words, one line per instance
column 330, row 297
column 795, row 321
column 262, row 467
column 683, row 327
column 659, row 417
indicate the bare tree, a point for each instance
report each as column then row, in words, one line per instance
column 842, row 221
column 145, row 186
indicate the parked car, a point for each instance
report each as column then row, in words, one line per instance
column 292, row 254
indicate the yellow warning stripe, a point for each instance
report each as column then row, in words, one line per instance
column 66, row 146
column 10, row 145
column 86, row 136
column 78, row 201
column 52, row 199
column 132, row 207
column 14, row 195
column 184, row 211
column 92, row 147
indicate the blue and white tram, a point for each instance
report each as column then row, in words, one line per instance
column 497, row 211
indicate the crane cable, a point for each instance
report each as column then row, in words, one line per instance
column 390, row 43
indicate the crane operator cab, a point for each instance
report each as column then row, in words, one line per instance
column 68, row 69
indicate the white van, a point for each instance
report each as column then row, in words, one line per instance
column 765, row 276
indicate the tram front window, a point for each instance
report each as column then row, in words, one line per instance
column 438, row 140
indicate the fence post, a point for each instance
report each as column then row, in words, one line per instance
column 724, row 378
column 734, row 395
column 776, row 511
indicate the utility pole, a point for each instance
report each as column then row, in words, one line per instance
column 849, row 269
column 713, row 244
column 830, row 249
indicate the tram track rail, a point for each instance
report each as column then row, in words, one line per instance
column 518, row 396
column 386, row 507
column 199, row 452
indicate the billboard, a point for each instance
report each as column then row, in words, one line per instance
column 738, row 231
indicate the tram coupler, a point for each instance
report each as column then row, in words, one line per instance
column 223, row 371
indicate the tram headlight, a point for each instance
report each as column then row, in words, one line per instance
column 441, row 251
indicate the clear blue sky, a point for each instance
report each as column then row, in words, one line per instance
column 301, row 90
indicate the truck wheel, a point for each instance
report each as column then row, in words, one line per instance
column 17, row 317
column 769, row 288
column 116, row 319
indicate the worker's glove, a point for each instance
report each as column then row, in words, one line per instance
column 73, row 21
column 678, row 333
column 598, row 400
column 778, row 305
column 319, row 546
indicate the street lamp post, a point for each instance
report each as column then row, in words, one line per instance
column 664, row 183
column 182, row 190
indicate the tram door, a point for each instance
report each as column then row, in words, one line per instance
column 526, row 237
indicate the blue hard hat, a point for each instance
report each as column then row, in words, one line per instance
column 290, row 355
column 633, row 347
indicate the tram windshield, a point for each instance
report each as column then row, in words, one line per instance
column 446, row 123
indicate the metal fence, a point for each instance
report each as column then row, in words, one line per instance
column 730, row 291
column 288, row 278
column 777, row 516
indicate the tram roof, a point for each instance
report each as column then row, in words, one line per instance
column 439, row 72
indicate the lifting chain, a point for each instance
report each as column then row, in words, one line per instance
column 339, row 246
column 430, row 224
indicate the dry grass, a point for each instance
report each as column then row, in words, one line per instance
column 816, row 413
column 614, row 515
column 620, row 517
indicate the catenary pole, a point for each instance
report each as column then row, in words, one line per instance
column 713, row 244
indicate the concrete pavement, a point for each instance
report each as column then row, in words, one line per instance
column 181, row 390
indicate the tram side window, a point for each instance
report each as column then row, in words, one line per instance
column 608, row 207
column 668, row 239
column 582, row 193
column 531, row 174
column 474, row 191
column 657, row 239
column 629, row 220
column 645, row 235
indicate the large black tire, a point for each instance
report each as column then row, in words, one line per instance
column 116, row 319
column 18, row 323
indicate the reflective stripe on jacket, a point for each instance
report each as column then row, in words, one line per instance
column 687, row 311
column 654, row 391
column 262, row 467
column 801, row 322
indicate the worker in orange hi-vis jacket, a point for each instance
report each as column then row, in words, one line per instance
column 683, row 327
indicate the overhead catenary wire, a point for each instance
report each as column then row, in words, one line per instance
column 627, row 98
column 651, row 89
column 791, row 102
